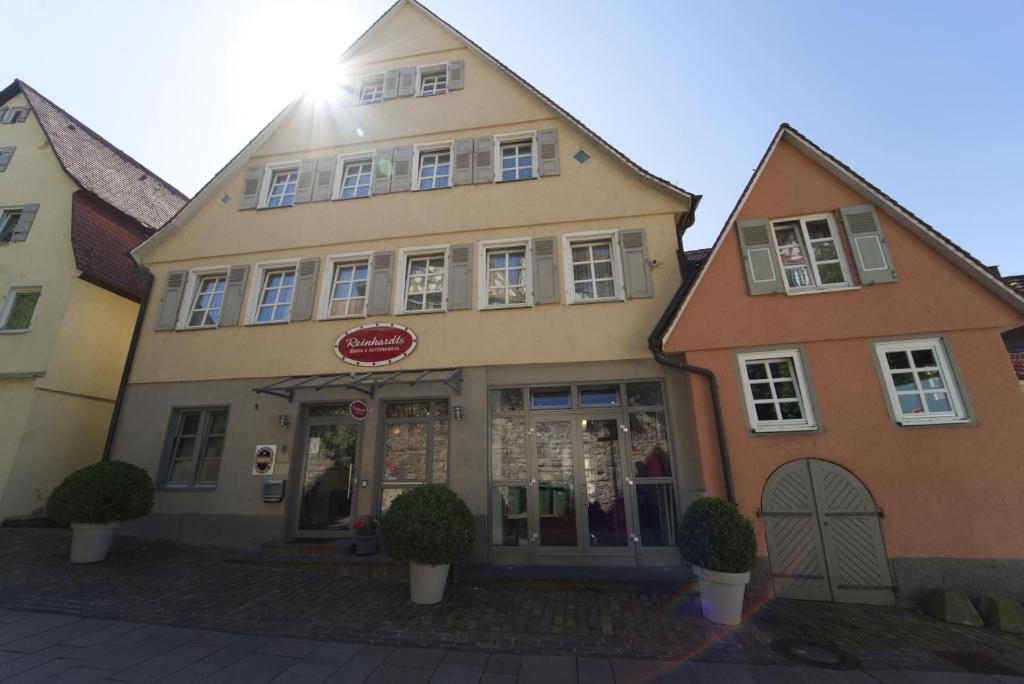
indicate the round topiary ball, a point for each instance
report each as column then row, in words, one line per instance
column 101, row 493
column 428, row 524
column 714, row 535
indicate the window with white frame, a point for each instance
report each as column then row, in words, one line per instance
column 434, row 168
column 209, row 294
column 282, row 187
column 919, row 381
column 424, row 281
column 371, row 90
column 810, row 253
column 776, row 391
column 18, row 308
column 275, row 297
column 516, row 158
column 356, row 178
column 506, row 275
column 434, row 80
column 8, row 222
column 594, row 274
column 348, row 288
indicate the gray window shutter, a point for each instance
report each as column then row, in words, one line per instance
column 545, row 271
column 483, row 160
column 3, row 114
column 636, row 268
column 324, row 183
column 28, row 216
column 401, row 176
column 456, row 74
column 463, row 168
column 407, row 81
column 167, row 317
column 304, row 185
column 547, row 141
column 870, row 252
column 759, row 263
column 231, row 305
column 305, row 289
column 21, row 115
column 251, row 187
column 391, row 84
column 460, row 277
column 379, row 299
column 382, row 171
column 6, row 154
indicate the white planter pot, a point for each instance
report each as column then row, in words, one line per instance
column 90, row 543
column 721, row 594
column 426, row 583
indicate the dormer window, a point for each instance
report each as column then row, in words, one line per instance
column 810, row 253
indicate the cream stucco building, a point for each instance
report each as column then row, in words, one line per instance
column 71, row 206
column 512, row 258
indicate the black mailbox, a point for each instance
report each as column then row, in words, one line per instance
column 273, row 491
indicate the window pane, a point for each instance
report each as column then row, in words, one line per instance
column 328, row 410
column 209, row 469
column 20, row 316
column 930, row 379
column 831, row 274
column 766, row 412
column 780, row 369
column 405, row 452
column 757, row 371
column 388, row 495
column 761, row 390
column 606, row 502
column 509, row 516
column 790, row 410
column 897, row 359
column 599, row 396
column 555, row 398
column 507, row 400
column 785, row 390
column 439, row 466
column 656, row 509
column 825, row 251
column 644, row 394
column 911, row 403
column 938, row 402
column 408, row 409
column 923, row 358
column 648, row 438
column 904, row 381
column 508, row 448
column 181, row 472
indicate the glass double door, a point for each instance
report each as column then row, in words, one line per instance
column 330, row 474
column 578, row 498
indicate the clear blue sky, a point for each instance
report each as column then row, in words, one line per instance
column 925, row 99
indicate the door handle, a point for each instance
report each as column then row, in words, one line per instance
column 534, row 537
column 630, row 482
column 533, row 483
column 636, row 539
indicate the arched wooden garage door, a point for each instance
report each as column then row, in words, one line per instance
column 824, row 538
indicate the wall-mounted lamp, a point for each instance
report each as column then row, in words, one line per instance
column 457, row 411
column 284, row 420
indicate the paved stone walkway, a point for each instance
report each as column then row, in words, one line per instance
column 201, row 588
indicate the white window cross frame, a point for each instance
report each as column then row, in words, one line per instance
column 570, row 239
column 259, row 278
column 371, row 88
column 432, row 79
column 327, row 283
column 929, row 382
column 774, row 397
column 401, row 291
column 810, row 261
column 268, row 181
column 7, row 306
column 483, row 271
column 349, row 161
column 188, row 301
column 524, row 137
column 426, row 150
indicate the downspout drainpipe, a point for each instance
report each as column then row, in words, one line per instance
column 716, row 406
column 127, row 369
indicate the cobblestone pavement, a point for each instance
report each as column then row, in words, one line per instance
column 199, row 587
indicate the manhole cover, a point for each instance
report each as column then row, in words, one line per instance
column 815, row 653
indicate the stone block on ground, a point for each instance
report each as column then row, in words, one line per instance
column 1002, row 614
column 954, row 607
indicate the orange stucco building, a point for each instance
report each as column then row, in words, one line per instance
column 873, row 423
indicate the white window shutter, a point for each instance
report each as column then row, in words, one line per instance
column 460, row 280
column 545, row 271
column 379, row 299
column 324, row 183
column 231, row 305
column 407, row 81
column 547, row 141
column 867, row 241
column 382, row 168
column 391, row 84
column 305, row 289
column 170, row 305
column 304, row 184
column 28, row 217
column 759, row 262
column 483, row 160
column 401, row 175
column 463, row 166
column 636, row 268
column 251, row 187
column 456, row 74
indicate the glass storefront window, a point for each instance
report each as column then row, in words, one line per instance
column 408, row 409
column 599, row 396
column 656, row 510
column 388, row 495
column 405, row 452
column 508, row 448
column 508, row 516
column 508, row 400
column 550, row 398
column 606, row 501
column 648, row 435
column 439, row 465
column 328, row 410
column 644, row 394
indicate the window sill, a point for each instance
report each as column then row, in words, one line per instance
column 443, row 187
column 501, row 307
column 938, row 422
column 186, row 328
column 777, row 429
column 280, row 206
column 823, row 290
column 418, row 313
column 349, row 199
column 440, row 92
column 256, row 323
column 21, row 331
column 350, row 317
column 515, row 180
column 602, row 300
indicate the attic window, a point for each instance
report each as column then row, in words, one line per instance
column 582, row 156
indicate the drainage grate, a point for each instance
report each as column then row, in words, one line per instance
column 973, row 661
column 816, row 653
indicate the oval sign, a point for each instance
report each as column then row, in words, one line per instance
column 358, row 410
column 375, row 344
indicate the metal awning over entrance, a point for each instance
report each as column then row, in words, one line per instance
column 365, row 382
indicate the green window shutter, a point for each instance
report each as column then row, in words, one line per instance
column 463, row 166
column 231, row 305
column 545, row 271
column 323, row 186
column 636, row 268
column 407, row 81
column 305, row 289
column 870, row 252
column 547, row 141
column 382, row 171
column 483, row 160
column 456, row 74
column 251, row 187
column 167, row 316
column 763, row 272
column 304, row 184
column 460, row 280
column 401, row 176
column 379, row 299
column 28, row 216
column 6, row 154
column 391, row 84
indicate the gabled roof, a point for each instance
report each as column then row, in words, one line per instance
column 236, row 163
column 99, row 167
column 906, row 218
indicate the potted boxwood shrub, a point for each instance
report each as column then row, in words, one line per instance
column 95, row 501
column 431, row 527
column 365, row 529
column 719, row 543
